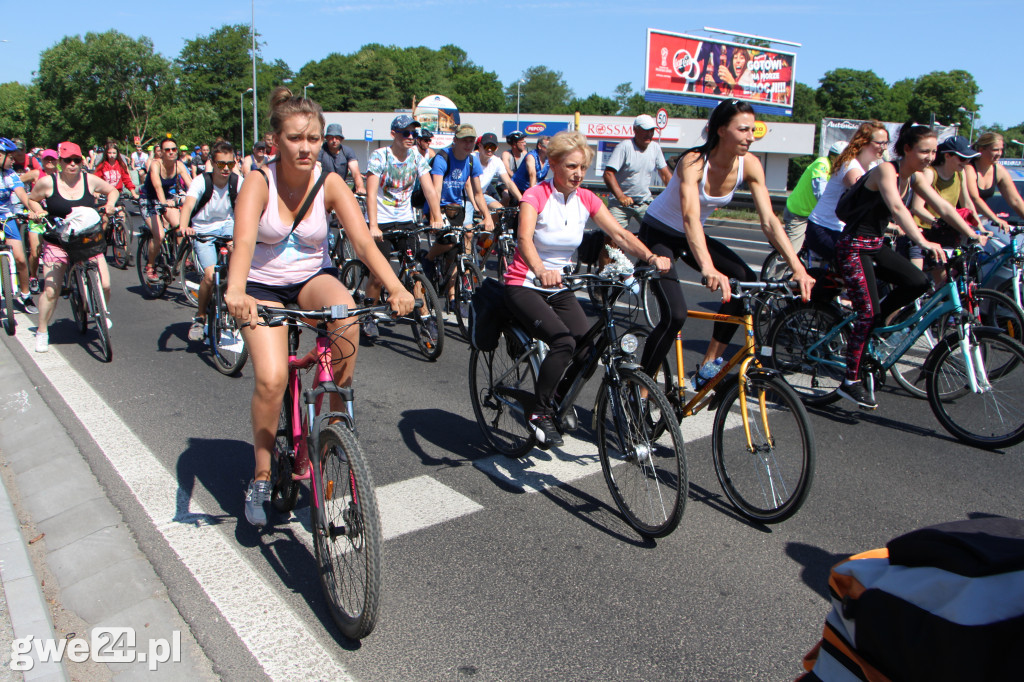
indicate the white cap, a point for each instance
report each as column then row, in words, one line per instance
column 644, row 121
column 838, row 147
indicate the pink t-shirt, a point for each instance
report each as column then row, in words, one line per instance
column 560, row 222
column 280, row 258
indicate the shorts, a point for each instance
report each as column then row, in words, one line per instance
column 54, row 255
column 206, row 252
column 622, row 214
column 11, row 229
column 796, row 228
column 147, row 207
column 283, row 294
column 403, row 243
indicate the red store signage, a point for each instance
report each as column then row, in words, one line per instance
column 621, row 131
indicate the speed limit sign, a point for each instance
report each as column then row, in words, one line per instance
column 661, row 120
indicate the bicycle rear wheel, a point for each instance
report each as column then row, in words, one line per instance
column 191, row 276
column 7, row 287
column 157, row 287
column 76, row 299
column 645, row 474
column 227, row 345
column 98, row 312
column 499, row 382
column 347, row 534
column 797, row 329
column 428, row 328
column 470, row 278
column 285, row 492
column 768, row 478
column 120, row 243
column 993, row 417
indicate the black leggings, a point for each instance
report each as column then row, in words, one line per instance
column 669, row 292
column 558, row 322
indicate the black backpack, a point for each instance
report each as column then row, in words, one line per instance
column 488, row 315
column 208, row 193
column 419, row 200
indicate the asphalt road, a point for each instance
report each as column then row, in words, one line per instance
column 519, row 571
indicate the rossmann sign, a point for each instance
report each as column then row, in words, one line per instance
column 622, row 131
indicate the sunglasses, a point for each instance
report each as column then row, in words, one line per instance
column 491, row 147
column 405, row 133
column 224, row 164
column 72, row 159
column 168, row 150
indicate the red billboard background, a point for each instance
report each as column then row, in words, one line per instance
column 680, row 64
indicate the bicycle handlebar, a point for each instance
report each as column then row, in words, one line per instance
column 275, row 317
column 786, row 288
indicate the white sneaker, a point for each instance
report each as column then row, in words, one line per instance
column 197, row 332
column 42, row 342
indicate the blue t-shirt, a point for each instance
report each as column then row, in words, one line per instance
column 9, row 181
column 455, row 181
column 522, row 174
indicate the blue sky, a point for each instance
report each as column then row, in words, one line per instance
column 596, row 44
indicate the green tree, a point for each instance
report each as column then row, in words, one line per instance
column 15, row 111
column 900, row 95
column 543, row 92
column 849, row 93
column 104, row 85
column 472, row 88
column 942, row 93
column 595, row 105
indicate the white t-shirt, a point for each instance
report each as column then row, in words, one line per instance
column 490, row 171
column 824, row 212
column 397, row 179
column 217, row 214
column 634, row 169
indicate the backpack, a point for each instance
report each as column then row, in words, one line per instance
column 208, row 193
column 419, row 200
column 944, row 602
column 851, row 207
column 488, row 315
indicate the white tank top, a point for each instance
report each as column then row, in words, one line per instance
column 666, row 207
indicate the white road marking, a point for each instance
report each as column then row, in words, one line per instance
column 17, row 401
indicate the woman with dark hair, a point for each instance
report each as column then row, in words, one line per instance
column 705, row 179
column 114, row 170
column 161, row 186
column 885, row 195
column 276, row 262
column 986, row 174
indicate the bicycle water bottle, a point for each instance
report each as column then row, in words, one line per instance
column 484, row 242
column 707, row 372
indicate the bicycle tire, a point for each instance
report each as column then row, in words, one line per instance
column 663, row 377
column 98, row 312
column 799, row 327
column 350, row 561
column 119, row 242
column 156, row 288
column 77, row 301
column 7, row 287
column 652, row 312
column 470, row 278
column 775, row 267
column 989, row 420
column 634, row 462
column 284, row 493
column 190, row 276
column 227, row 344
column 496, row 378
column 771, row 483
column 1009, row 286
column 908, row 371
column 430, row 344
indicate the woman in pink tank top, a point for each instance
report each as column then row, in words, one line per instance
column 275, row 265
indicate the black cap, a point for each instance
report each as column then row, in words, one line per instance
column 488, row 138
column 958, row 145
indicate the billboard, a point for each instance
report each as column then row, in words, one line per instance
column 691, row 66
column 842, row 129
column 439, row 115
column 533, row 128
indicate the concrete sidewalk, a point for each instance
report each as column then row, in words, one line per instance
column 88, row 571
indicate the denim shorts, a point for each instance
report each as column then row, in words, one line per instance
column 206, row 252
column 284, row 294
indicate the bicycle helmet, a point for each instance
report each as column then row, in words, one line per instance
column 515, row 136
column 7, row 145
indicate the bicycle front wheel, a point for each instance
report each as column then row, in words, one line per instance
column 645, row 474
column 766, row 477
column 346, row 529
column 992, row 416
column 775, row 267
column 190, row 277
column 427, row 327
column 470, row 278
column 227, row 345
column 150, row 288
column 499, row 381
column 799, row 327
column 77, row 300
column 98, row 312
column 7, row 287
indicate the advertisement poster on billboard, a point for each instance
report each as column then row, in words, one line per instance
column 604, row 153
column 439, row 115
column 842, row 129
column 680, row 64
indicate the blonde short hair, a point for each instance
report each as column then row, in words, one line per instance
column 569, row 141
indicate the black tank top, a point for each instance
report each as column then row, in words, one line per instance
column 878, row 215
column 987, row 194
column 60, row 207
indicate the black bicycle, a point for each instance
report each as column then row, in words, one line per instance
column 455, row 275
column 427, row 320
column 223, row 333
column 175, row 252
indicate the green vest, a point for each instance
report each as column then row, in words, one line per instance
column 801, row 200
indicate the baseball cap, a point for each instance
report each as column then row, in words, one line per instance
column 48, row 154
column 465, row 130
column 335, row 130
column 260, row 145
column 488, row 138
column 644, row 121
column 838, row 147
column 958, row 145
column 66, row 150
column 403, row 121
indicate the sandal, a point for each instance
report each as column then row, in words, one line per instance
column 151, row 273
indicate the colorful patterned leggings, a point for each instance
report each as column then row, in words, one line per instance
column 860, row 260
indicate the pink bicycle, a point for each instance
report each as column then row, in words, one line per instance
column 321, row 446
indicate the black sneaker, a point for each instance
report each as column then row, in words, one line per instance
column 857, row 394
column 544, row 429
column 25, row 303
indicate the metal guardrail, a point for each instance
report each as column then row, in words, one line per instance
column 742, row 199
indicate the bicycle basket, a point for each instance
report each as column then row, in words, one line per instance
column 81, row 235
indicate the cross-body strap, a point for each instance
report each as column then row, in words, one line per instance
column 305, row 204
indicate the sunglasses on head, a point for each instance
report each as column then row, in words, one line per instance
column 224, row 164
column 72, row 159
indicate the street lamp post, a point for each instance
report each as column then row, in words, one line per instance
column 518, row 83
column 252, row 30
column 1021, row 147
column 241, row 113
column 973, row 115
column 304, row 87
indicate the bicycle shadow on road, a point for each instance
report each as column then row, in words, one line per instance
column 457, row 437
column 64, row 332
column 720, row 504
column 211, row 462
column 177, row 331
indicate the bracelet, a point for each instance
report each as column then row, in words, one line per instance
column 650, row 259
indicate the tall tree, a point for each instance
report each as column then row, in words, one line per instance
column 900, row 95
column 942, row 93
column 472, row 88
column 543, row 91
column 15, row 111
column 595, row 105
column 104, row 85
column 849, row 93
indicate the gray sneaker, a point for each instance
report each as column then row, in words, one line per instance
column 256, row 496
column 197, row 332
column 26, row 304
